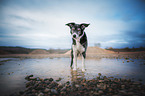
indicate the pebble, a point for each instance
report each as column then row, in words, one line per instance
column 46, row 90
column 98, row 85
column 63, row 89
column 40, row 94
column 32, row 78
column 105, row 86
column 77, row 86
column 136, row 83
column 60, row 85
column 122, row 86
column 37, row 79
column 33, row 90
column 122, row 91
column 130, row 93
column 27, row 77
column 99, row 74
column 50, row 79
column 59, row 79
column 128, row 60
column 101, row 80
column 96, row 93
column 101, row 86
column 100, row 92
column 54, row 91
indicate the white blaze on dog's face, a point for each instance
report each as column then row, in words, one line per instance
column 77, row 30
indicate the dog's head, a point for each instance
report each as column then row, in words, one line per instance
column 77, row 30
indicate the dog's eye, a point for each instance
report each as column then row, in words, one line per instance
column 79, row 32
column 73, row 28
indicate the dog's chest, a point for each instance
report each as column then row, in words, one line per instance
column 78, row 47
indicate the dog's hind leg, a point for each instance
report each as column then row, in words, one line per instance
column 83, row 61
column 71, row 58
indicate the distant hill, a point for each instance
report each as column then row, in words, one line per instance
column 97, row 50
column 94, row 50
column 14, row 50
column 58, row 51
column 21, row 50
column 39, row 51
column 126, row 49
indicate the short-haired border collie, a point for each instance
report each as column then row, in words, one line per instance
column 79, row 43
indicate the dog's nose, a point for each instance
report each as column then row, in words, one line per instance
column 74, row 36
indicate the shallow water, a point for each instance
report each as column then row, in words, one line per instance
column 14, row 70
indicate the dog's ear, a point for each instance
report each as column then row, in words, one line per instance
column 70, row 24
column 84, row 25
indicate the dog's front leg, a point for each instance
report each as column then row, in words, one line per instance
column 75, row 61
column 83, row 61
column 75, row 58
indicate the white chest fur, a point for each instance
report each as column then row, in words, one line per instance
column 78, row 47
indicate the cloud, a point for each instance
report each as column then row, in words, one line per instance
column 35, row 23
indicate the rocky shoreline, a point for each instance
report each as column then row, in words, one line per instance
column 99, row 86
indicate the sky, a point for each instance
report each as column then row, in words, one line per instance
column 41, row 23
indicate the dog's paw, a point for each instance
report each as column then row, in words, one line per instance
column 83, row 70
column 74, row 69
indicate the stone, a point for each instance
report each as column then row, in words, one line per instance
column 99, row 74
column 28, row 84
column 100, row 92
column 130, row 93
column 32, row 78
column 46, row 90
column 110, row 89
column 105, row 86
column 84, row 84
column 128, row 60
column 50, row 79
column 46, row 79
column 122, row 91
column 63, row 89
column 96, row 93
column 122, row 86
column 98, row 85
column 35, row 85
column 41, row 94
column 33, row 90
column 77, row 86
column 47, row 82
column 101, row 80
column 54, row 91
column 136, row 83
column 59, row 84
column 27, row 77
column 28, row 88
column 38, row 79
column 67, row 82
column 59, row 79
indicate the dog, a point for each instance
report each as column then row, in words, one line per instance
column 79, row 43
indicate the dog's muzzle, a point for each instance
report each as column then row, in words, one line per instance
column 74, row 35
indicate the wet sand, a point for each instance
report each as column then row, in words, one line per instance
column 133, row 55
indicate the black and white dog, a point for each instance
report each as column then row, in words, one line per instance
column 79, row 44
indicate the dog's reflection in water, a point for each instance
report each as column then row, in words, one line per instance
column 77, row 76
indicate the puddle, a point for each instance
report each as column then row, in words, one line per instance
column 14, row 70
